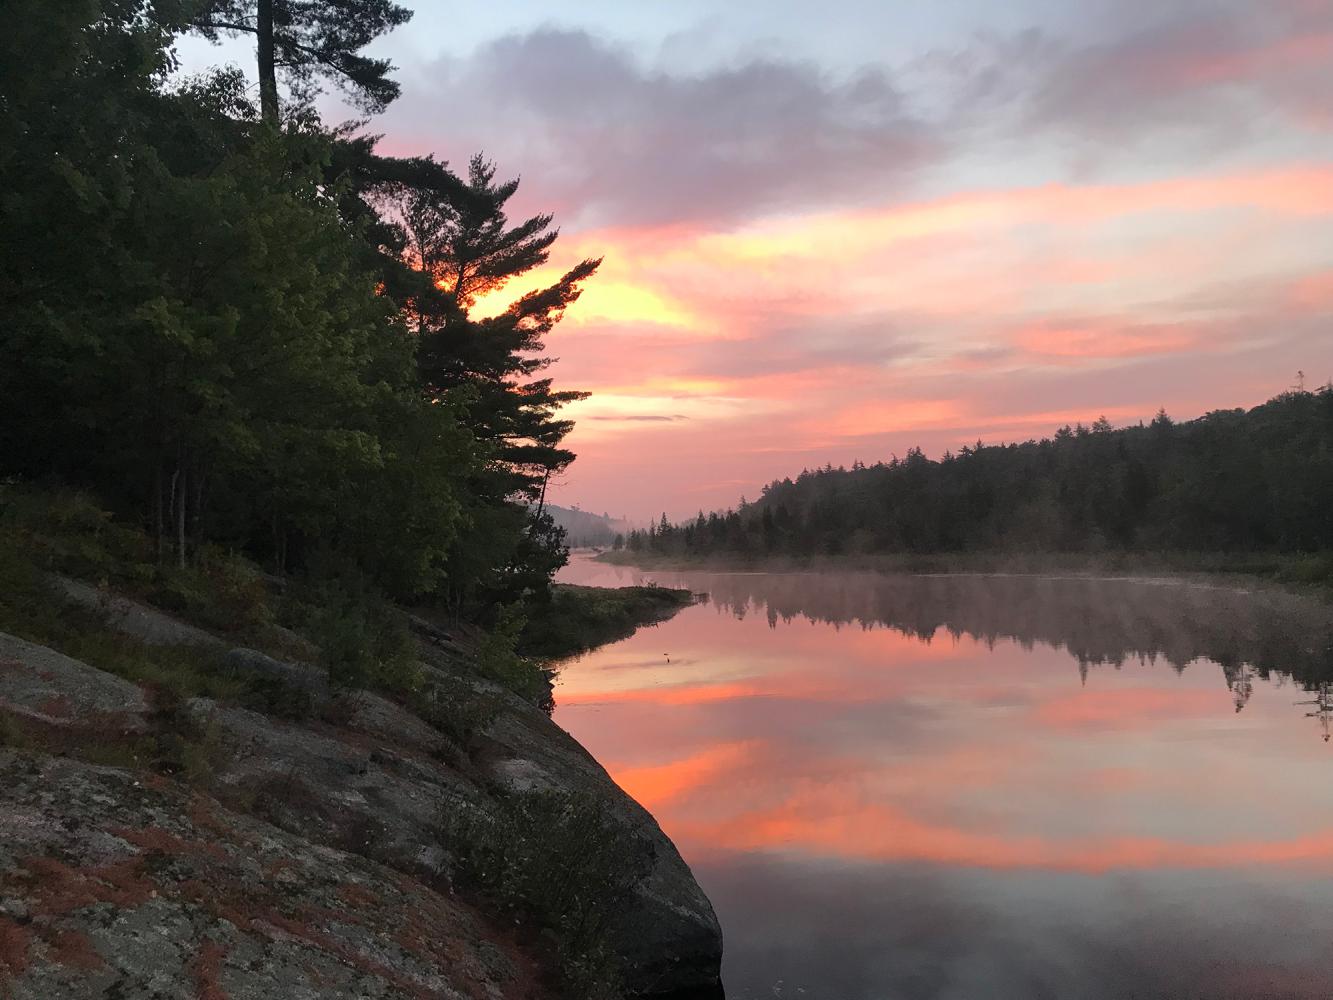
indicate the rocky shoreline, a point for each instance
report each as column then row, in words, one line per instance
column 314, row 853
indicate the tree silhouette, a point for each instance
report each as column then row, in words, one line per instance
column 309, row 40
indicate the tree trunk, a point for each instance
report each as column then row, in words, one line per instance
column 159, row 519
column 181, row 496
column 541, row 503
column 268, row 74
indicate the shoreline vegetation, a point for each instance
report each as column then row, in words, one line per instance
column 578, row 619
column 1235, row 492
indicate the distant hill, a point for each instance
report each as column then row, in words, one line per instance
column 586, row 529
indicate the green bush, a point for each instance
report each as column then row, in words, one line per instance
column 66, row 532
column 456, row 709
column 561, row 860
column 219, row 590
column 363, row 639
column 498, row 660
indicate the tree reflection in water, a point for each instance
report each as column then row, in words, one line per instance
column 1101, row 622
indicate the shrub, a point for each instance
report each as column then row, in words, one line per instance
column 561, row 860
column 68, row 533
column 220, row 590
column 456, row 709
column 498, row 660
column 363, row 640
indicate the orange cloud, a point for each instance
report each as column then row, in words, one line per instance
column 876, row 417
column 735, row 357
column 1106, row 342
column 1313, row 293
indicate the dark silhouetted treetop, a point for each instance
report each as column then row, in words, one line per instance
column 310, row 40
column 1232, row 481
column 465, row 241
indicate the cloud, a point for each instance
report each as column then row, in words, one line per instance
column 611, row 140
column 1182, row 75
column 811, row 263
column 645, row 417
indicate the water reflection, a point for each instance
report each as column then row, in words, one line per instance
column 1323, row 708
column 984, row 786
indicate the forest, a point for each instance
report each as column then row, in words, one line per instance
column 1233, row 481
column 265, row 338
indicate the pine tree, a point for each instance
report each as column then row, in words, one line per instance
column 308, row 40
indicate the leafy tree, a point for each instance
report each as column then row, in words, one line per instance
column 308, row 40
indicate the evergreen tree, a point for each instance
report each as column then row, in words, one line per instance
column 456, row 237
column 1231, row 481
column 308, row 40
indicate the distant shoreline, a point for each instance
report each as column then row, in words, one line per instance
column 1310, row 574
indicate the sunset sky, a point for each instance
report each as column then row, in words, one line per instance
column 833, row 231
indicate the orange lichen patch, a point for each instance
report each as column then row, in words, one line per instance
column 359, row 896
column 302, row 929
column 193, row 890
column 75, row 949
column 57, row 707
column 157, row 782
column 60, row 889
column 207, row 970
column 273, row 869
column 205, row 817
column 154, row 840
column 418, row 932
column 318, row 979
column 15, row 941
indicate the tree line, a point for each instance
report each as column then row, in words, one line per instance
column 1233, row 481
column 247, row 328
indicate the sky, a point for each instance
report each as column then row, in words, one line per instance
column 834, row 231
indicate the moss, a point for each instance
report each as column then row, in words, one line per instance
column 356, row 634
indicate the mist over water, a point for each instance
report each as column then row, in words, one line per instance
column 981, row 786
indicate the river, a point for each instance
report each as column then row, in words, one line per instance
column 983, row 787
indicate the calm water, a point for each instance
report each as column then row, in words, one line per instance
column 982, row 787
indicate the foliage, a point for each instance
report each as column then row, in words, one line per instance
column 252, row 359
column 562, row 860
column 31, row 609
column 1232, row 481
column 363, row 640
column 498, row 660
column 456, row 708
column 577, row 618
column 309, row 41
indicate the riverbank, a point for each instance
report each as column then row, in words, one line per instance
column 1306, row 573
column 287, row 793
column 578, row 619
